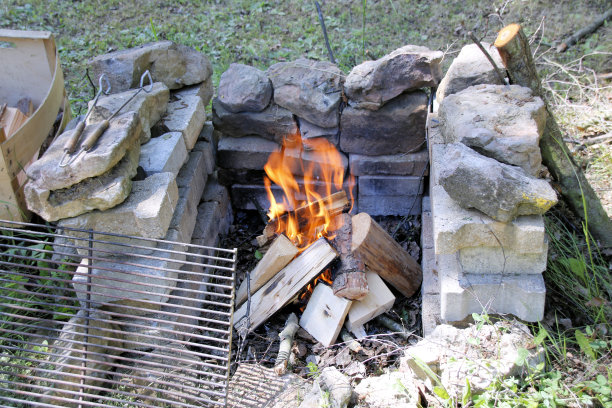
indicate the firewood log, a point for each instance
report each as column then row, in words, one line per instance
column 350, row 279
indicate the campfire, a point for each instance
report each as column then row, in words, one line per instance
column 309, row 227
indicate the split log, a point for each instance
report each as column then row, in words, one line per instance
column 384, row 256
column 334, row 204
column 578, row 35
column 350, row 280
column 11, row 120
column 515, row 52
column 286, row 341
column 324, row 314
column 378, row 301
column 279, row 291
column 280, row 253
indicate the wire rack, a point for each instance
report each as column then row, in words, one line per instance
column 91, row 319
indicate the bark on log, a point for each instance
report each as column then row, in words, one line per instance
column 280, row 253
column 515, row 52
column 384, row 256
column 279, row 291
column 350, row 280
column 286, row 341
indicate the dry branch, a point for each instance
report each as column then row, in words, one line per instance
column 515, row 52
column 578, row 35
column 286, row 341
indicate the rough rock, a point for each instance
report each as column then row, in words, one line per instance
column 66, row 355
column 150, row 107
column 499, row 190
column 394, row 389
column 166, row 153
column 173, row 64
column 373, row 83
column 310, row 131
column 470, row 67
column 96, row 193
column 204, row 90
column 337, row 385
column 481, row 354
column 244, row 88
column 397, row 127
column 502, row 122
column 146, row 213
column 310, row 89
column 273, row 123
column 186, row 115
column 123, row 132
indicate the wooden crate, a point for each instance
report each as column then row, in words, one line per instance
column 30, row 68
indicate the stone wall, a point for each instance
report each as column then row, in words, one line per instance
column 375, row 116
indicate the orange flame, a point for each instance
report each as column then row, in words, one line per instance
column 319, row 164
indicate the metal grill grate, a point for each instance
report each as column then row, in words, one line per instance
column 90, row 319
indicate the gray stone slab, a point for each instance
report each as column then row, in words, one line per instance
column 96, row 193
column 250, row 152
column 407, row 164
column 204, row 90
column 390, row 205
column 193, row 173
column 187, row 115
column 463, row 294
column 383, row 186
column 310, row 130
column 207, row 224
column 206, row 134
column 166, row 153
column 46, row 173
column 186, row 212
column 397, row 127
column 146, row 213
column 229, row 177
column 150, row 107
column 244, row 196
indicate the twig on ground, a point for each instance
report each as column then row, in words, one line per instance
column 578, row 35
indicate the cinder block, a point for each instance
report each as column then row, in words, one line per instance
column 462, row 294
column 209, row 156
column 456, row 228
column 430, row 313
column 390, row 205
column 382, row 186
column 187, row 115
column 409, row 164
column 249, row 152
column 166, row 153
column 497, row 260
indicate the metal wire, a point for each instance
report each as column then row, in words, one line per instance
column 91, row 319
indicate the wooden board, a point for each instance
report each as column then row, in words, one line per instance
column 280, row 253
column 287, row 283
column 324, row 314
column 378, row 301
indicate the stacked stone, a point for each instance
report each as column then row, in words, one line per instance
column 375, row 116
column 484, row 243
column 150, row 175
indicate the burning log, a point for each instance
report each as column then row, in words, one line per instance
column 281, row 289
column 280, row 253
column 350, row 280
column 286, row 341
column 383, row 255
column 334, row 204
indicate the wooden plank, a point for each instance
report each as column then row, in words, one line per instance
column 324, row 314
column 280, row 253
column 378, row 301
column 11, row 120
column 287, row 283
column 383, row 255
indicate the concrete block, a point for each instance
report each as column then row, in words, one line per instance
column 497, row 260
column 430, row 313
column 147, row 211
column 187, row 115
column 408, row 164
column 456, row 228
column 462, row 294
column 249, row 152
column 382, row 186
column 193, row 173
column 166, row 153
column 207, row 225
column 209, row 156
column 390, row 205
